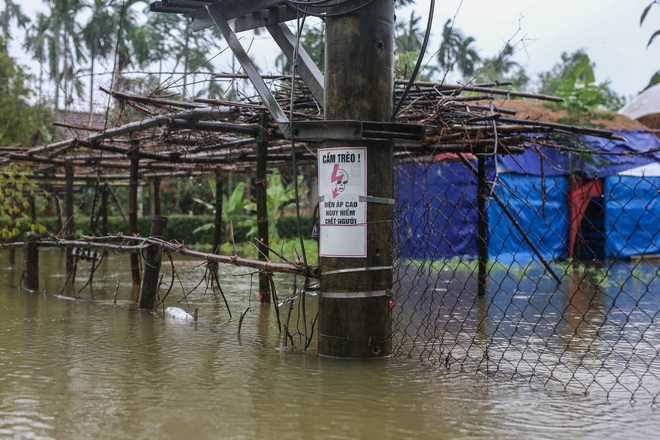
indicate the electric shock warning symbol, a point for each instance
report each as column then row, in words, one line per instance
column 342, row 186
column 340, row 179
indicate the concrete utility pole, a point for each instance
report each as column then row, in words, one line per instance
column 354, row 319
column 355, row 167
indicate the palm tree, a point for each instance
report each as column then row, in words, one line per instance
column 451, row 39
column 502, row 68
column 467, row 57
column 408, row 44
column 313, row 41
column 410, row 36
column 55, row 40
column 643, row 17
column 12, row 12
column 98, row 36
column 457, row 51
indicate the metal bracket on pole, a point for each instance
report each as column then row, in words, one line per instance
column 348, row 130
column 309, row 72
column 246, row 63
column 251, row 15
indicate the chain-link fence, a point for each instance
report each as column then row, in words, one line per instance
column 552, row 278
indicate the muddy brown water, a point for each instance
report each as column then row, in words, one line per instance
column 89, row 368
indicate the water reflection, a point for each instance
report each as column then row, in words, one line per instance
column 86, row 369
column 594, row 332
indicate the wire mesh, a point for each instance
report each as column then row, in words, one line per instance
column 571, row 295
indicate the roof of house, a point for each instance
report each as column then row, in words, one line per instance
column 645, row 104
column 539, row 111
column 76, row 123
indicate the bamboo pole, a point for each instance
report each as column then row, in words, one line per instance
column 132, row 213
column 153, row 257
column 31, row 262
column 261, row 183
column 154, row 200
column 125, row 247
column 217, row 222
column 68, row 215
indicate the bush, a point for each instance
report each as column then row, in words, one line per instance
column 180, row 227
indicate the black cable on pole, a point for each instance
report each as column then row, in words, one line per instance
column 296, row 48
column 305, row 11
column 418, row 64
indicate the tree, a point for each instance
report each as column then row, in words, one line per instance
column 502, row 68
column 18, row 197
column 12, row 12
column 174, row 40
column 55, row 40
column 655, row 79
column 451, row 39
column 408, row 44
column 574, row 80
column 20, row 121
column 457, row 52
column 643, row 17
column 313, row 41
column 98, row 36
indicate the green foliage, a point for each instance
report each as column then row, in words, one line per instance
column 181, row 195
column 457, row 51
column 234, row 210
column 180, row 228
column 502, row 68
column 574, row 80
column 16, row 194
column 655, row 79
column 12, row 13
column 55, row 40
column 240, row 212
column 643, row 17
column 279, row 197
column 408, row 44
column 313, row 41
column 20, row 121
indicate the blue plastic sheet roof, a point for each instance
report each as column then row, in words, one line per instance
column 540, row 160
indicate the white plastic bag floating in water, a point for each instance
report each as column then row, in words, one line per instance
column 177, row 313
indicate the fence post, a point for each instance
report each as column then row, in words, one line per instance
column 262, row 204
column 354, row 319
column 132, row 211
column 153, row 257
column 31, row 262
column 217, row 220
column 68, row 215
column 482, row 224
column 154, row 200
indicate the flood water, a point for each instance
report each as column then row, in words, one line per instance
column 89, row 368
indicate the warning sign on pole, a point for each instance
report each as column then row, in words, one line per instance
column 343, row 211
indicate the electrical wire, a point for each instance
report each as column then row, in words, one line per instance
column 292, row 5
column 294, row 62
column 418, row 64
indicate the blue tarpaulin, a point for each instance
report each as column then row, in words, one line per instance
column 537, row 160
column 633, row 153
column 437, row 203
column 632, row 216
column 541, row 211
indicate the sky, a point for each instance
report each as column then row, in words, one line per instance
column 540, row 30
column 609, row 31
